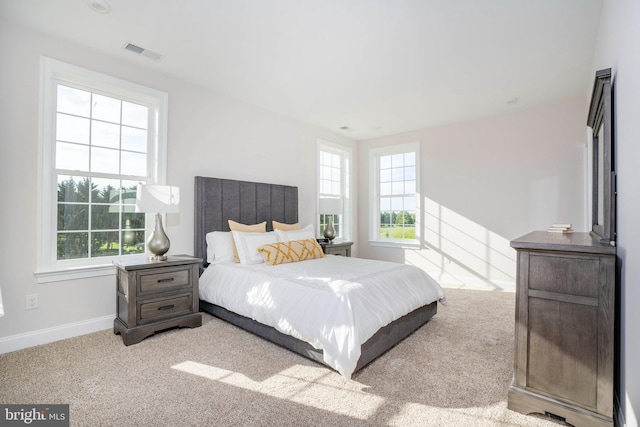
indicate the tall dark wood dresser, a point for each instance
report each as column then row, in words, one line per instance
column 564, row 331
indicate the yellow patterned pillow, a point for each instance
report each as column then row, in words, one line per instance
column 291, row 251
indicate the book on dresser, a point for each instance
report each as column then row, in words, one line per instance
column 560, row 228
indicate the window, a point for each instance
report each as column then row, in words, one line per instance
column 395, row 177
column 334, row 183
column 100, row 137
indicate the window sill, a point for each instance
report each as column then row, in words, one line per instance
column 74, row 273
column 411, row 244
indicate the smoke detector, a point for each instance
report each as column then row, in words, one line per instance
column 142, row 51
column 99, row 6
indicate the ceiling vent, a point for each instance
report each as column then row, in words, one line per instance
column 142, row 51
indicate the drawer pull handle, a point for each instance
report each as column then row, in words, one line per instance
column 166, row 307
column 170, row 279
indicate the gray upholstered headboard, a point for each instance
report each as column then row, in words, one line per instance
column 219, row 200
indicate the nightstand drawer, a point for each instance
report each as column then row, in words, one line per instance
column 162, row 280
column 165, row 307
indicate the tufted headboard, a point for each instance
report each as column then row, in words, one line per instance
column 219, row 200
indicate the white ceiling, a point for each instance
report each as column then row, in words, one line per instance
column 377, row 66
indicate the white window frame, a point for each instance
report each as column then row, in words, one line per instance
column 52, row 73
column 346, row 180
column 374, row 195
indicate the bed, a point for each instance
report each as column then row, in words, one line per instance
column 303, row 286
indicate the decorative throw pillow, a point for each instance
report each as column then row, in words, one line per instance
column 247, row 245
column 291, row 251
column 253, row 228
column 285, row 227
column 301, row 234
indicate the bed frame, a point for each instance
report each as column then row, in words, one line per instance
column 218, row 200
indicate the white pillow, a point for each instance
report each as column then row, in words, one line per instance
column 302, row 234
column 247, row 244
column 219, row 247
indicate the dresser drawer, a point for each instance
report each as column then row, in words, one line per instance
column 160, row 280
column 166, row 307
column 566, row 274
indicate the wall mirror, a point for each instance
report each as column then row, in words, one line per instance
column 600, row 120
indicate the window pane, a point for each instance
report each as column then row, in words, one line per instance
column 72, row 245
column 325, row 172
column 72, row 189
column 134, row 164
column 106, row 190
column 397, row 174
column 410, row 158
column 106, row 108
column 133, row 220
column 73, row 217
column 105, row 134
column 134, row 139
column 72, row 129
column 397, row 160
column 397, row 188
column 72, row 156
column 128, row 195
column 396, row 204
column 74, row 101
column 105, row 243
column 385, row 162
column 135, row 115
column 385, row 175
column 410, row 203
column 409, row 187
column 385, row 204
column 385, row 189
column 335, row 161
column 335, row 188
column 104, row 160
column 410, row 172
column 103, row 218
column 335, row 174
column 132, row 241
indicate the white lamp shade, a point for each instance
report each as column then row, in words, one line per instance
column 330, row 206
column 158, row 199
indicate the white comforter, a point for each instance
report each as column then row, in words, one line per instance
column 334, row 303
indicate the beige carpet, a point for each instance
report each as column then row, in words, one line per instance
column 454, row 371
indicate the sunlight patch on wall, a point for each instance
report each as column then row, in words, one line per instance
column 314, row 389
column 462, row 252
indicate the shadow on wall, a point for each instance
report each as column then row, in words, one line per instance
column 461, row 253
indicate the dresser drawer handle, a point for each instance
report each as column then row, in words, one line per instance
column 169, row 279
column 166, row 307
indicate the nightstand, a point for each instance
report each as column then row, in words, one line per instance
column 337, row 248
column 156, row 295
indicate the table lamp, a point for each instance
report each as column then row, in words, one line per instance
column 158, row 199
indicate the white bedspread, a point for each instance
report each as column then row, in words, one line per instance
column 334, row 303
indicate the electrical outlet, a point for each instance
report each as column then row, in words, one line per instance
column 32, row 301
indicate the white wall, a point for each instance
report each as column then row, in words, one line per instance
column 209, row 135
column 484, row 183
column 617, row 48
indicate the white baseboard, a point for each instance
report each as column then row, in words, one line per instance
column 56, row 333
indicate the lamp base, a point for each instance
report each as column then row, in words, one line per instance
column 158, row 242
column 329, row 231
